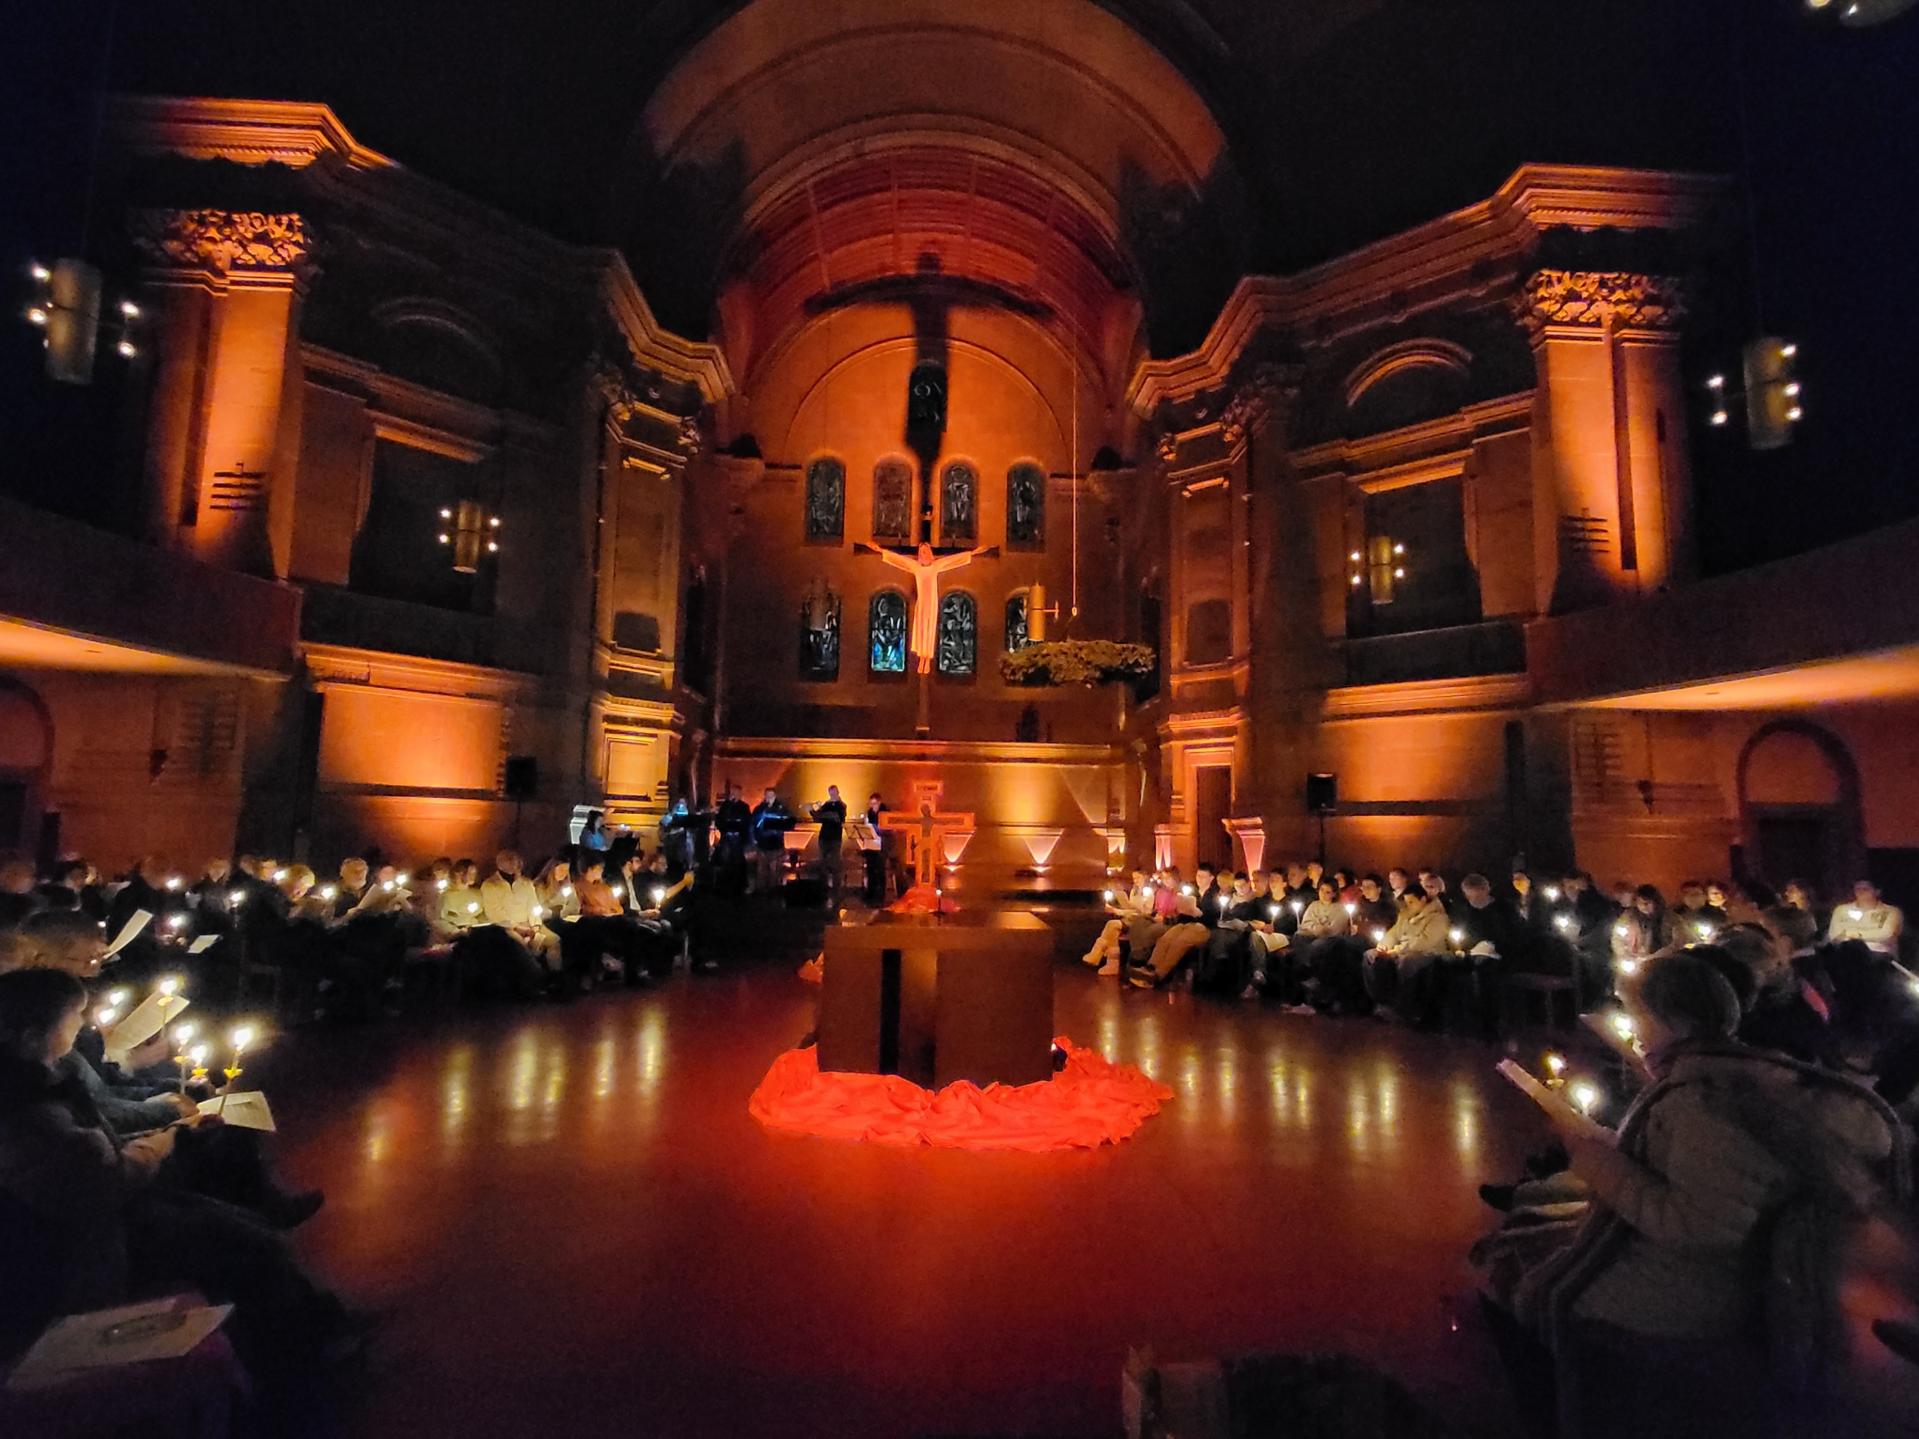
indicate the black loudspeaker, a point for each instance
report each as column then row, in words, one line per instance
column 1322, row 793
column 522, row 776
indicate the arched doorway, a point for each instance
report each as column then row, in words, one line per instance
column 26, row 755
column 1799, row 807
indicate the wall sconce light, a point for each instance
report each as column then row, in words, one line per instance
column 471, row 531
column 65, row 305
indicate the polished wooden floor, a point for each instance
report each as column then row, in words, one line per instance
column 576, row 1228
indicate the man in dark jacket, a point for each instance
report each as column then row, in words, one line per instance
column 830, row 815
column 732, row 820
column 767, row 827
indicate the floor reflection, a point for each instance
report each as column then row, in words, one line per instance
column 577, row 1180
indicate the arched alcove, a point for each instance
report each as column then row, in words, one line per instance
column 26, row 756
column 1799, row 811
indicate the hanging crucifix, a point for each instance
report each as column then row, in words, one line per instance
column 926, row 565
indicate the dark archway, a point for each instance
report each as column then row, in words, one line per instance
column 26, row 762
column 1798, row 821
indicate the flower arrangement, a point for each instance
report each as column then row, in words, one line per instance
column 1076, row 662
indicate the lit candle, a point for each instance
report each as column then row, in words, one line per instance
column 1457, row 936
column 1623, row 1026
column 242, row 1037
column 1185, row 889
column 402, row 878
column 168, row 988
column 659, row 896
column 1295, row 905
column 1351, row 909
column 1563, row 921
column 327, row 891
column 198, row 1056
column 472, row 907
column 1272, row 911
column 1629, row 966
column 1705, row 930
column 539, row 912
column 236, row 897
column 1379, row 936
column 1555, row 1068
column 1108, row 895
column 174, row 881
column 566, row 891
column 440, row 884
column 1622, row 929
column 279, row 876
column 1855, row 913
column 180, row 1056
column 117, row 998
column 105, row 1016
column 1552, row 893
column 1585, row 1094
column 387, row 885
column 619, row 891
column 176, row 921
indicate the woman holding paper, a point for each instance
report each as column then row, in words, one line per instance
column 1719, row 1213
column 92, row 1217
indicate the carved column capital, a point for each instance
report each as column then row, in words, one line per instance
column 1267, row 387
column 691, row 440
column 1590, row 297
column 223, row 241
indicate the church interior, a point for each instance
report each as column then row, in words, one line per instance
column 1132, row 440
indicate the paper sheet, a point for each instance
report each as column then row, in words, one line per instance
column 133, row 1334
column 142, row 1024
column 140, row 920
column 245, row 1109
column 203, row 944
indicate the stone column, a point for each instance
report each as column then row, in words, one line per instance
column 1612, row 487
column 225, row 288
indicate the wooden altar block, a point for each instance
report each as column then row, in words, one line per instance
column 964, row 997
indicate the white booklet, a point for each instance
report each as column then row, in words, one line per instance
column 203, row 944
column 133, row 1334
column 244, row 1109
column 142, row 1024
column 140, row 919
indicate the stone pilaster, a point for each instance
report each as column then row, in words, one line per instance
column 225, row 288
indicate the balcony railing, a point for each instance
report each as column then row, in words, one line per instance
column 1492, row 647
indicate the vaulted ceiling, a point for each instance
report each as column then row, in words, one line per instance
column 1038, row 156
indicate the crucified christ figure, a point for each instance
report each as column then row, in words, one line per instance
column 926, row 567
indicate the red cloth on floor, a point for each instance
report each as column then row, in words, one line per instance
column 923, row 899
column 1088, row 1103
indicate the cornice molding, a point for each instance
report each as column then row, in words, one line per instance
column 349, row 666
column 293, row 133
column 901, row 751
column 1476, row 250
column 1476, row 693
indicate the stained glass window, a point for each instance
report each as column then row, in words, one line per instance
column 886, row 633
column 1026, row 506
column 825, row 500
column 820, row 635
column 958, row 633
column 1017, row 633
column 893, row 501
column 959, row 504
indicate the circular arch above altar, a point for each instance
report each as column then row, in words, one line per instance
column 1044, row 157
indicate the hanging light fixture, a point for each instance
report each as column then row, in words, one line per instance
column 471, row 532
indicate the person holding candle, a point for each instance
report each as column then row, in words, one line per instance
column 1199, row 915
column 1867, row 919
column 1125, row 906
column 106, row 1221
column 1399, row 971
column 1699, row 1295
